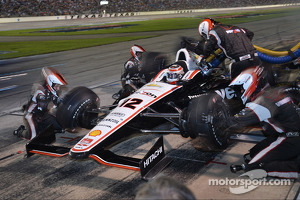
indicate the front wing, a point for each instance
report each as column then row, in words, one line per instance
column 152, row 163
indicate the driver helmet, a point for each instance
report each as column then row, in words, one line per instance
column 205, row 27
column 246, row 83
column 52, row 77
column 175, row 73
column 136, row 51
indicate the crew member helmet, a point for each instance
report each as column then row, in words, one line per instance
column 136, row 51
column 52, row 77
column 246, row 83
column 175, row 73
column 205, row 26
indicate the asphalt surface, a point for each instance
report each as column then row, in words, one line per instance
column 42, row 177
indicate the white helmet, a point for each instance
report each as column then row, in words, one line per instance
column 246, row 83
column 136, row 49
column 174, row 73
column 205, row 26
column 52, row 77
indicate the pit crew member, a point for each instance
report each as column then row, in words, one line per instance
column 234, row 41
column 37, row 115
column 131, row 75
column 277, row 111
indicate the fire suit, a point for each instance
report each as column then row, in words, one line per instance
column 236, row 44
column 277, row 112
column 131, row 79
column 132, row 69
column 37, row 114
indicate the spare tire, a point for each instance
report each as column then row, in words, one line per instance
column 213, row 105
column 74, row 112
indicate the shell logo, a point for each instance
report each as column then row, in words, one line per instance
column 95, row 133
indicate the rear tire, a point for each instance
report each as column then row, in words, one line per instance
column 152, row 63
column 74, row 112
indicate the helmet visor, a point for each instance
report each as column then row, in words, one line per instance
column 172, row 76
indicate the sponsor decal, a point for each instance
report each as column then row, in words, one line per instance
column 153, row 85
column 85, row 142
column 245, row 57
column 233, row 31
column 108, row 126
column 152, row 157
column 227, row 92
column 283, row 101
column 292, row 134
column 146, row 93
column 117, row 114
column 95, row 133
column 111, row 120
column 194, row 96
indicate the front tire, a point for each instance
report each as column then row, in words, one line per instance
column 208, row 105
column 75, row 109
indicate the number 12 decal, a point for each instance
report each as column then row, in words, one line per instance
column 130, row 103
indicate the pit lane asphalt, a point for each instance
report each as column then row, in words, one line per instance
column 42, row 177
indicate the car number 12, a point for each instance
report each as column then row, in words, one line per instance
column 131, row 103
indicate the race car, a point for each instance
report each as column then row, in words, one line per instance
column 144, row 111
column 184, row 106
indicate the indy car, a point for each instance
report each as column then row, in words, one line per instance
column 145, row 111
column 184, row 106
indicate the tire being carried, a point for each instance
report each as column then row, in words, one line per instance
column 74, row 112
column 203, row 118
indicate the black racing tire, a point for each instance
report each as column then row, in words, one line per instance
column 152, row 63
column 213, row 105
column 73, row 112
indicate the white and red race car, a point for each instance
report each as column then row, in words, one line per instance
column 145, row 111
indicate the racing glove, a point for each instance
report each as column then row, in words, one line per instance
column 59, row 101
column 42, row 106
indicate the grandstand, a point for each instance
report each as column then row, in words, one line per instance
column 24, row 8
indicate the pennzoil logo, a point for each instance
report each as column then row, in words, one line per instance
column 95, row 133
column 153, row 85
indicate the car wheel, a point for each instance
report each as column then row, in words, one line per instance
column 152, row 63
column 75, row 109
column 198, row 124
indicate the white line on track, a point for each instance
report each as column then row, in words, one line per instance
column 29, row 70
column 3, row 78
column 8, row 88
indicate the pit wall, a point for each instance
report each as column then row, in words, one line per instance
column 127, row 14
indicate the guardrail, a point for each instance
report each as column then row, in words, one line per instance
column 127, row 14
